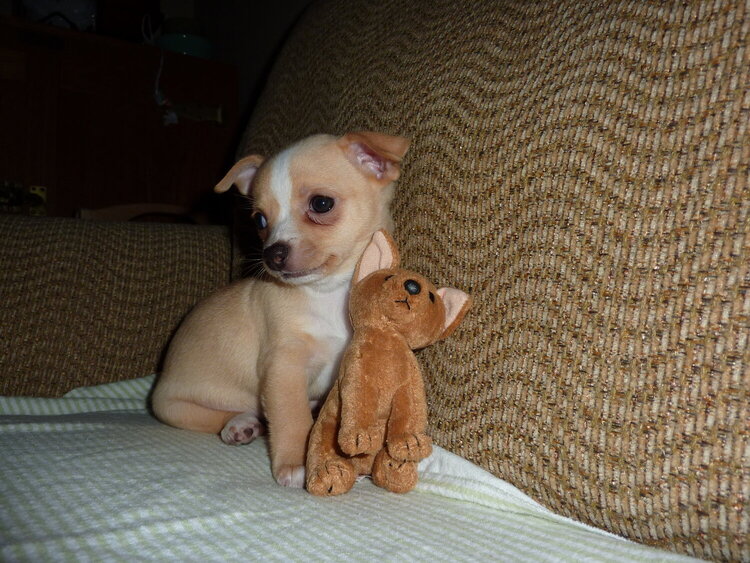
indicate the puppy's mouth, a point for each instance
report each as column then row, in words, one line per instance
column 302, row 275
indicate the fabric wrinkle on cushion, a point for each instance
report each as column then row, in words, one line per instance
column 111, row 484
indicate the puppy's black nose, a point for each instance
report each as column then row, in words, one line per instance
column 275, row 255
column 412, row 287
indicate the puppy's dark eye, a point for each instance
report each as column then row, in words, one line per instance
column 432, row 297
column 321, row 203
column 260, row 221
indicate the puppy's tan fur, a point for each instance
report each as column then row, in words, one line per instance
column 266, row 350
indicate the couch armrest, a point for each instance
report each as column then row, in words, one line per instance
column 83, row 303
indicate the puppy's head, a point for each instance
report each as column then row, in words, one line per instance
column 317, row 203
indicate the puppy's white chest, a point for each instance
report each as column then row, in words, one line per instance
column 328, row 325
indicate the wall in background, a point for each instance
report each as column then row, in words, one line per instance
column 83, row 119
column 80, row 116
column 247, row 35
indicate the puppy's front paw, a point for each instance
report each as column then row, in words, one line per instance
column 242, row 429
column 410, row 447
column 334, row 477
column 355, row 441
column 290, row 476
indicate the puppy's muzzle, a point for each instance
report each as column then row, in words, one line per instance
column 275, row 256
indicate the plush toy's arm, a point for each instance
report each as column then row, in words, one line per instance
column 360, row 432
column 406, row 439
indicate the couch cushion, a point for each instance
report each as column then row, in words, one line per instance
column 582, row 169
column 93, row 477
column 84, row 302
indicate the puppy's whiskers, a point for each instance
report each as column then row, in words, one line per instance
column 252, row 267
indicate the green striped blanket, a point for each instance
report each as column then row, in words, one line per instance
column 92, row 477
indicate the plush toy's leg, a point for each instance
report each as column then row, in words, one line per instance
column 328, row 473
column 393, row 475
column 334, row 476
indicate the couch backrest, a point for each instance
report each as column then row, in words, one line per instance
column 83, row 303
column 581, row 168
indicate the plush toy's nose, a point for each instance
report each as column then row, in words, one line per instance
column 412, row 287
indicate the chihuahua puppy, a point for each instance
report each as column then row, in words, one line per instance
column 267, row 350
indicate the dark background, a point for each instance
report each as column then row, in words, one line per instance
column 83, row 103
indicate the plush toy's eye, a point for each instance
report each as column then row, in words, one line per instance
column 260, row 221
column 432, row 297
column 412, row 287
column 321, row 203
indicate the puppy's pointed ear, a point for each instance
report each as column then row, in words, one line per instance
column 376, row 154
column 457, row 304
column 241, row 174
column 380, row 254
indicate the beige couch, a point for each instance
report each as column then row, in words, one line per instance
column 582, row 169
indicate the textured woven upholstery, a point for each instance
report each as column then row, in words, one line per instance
column 581, row 167
column 84, row 303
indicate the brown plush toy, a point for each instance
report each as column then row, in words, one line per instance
column 375, row 417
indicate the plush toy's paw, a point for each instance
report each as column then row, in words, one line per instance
column 333, row 477
column 410, row 447
column 394, row 475
column 356, row 441
column 290, row 476
column 242, row 429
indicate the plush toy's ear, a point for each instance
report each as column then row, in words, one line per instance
column 457, row 304
column 241, row 174
column 376, row 154
column 380, row 254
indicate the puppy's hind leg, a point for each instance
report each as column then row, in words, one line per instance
column 242, row 429
column 192, row 416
